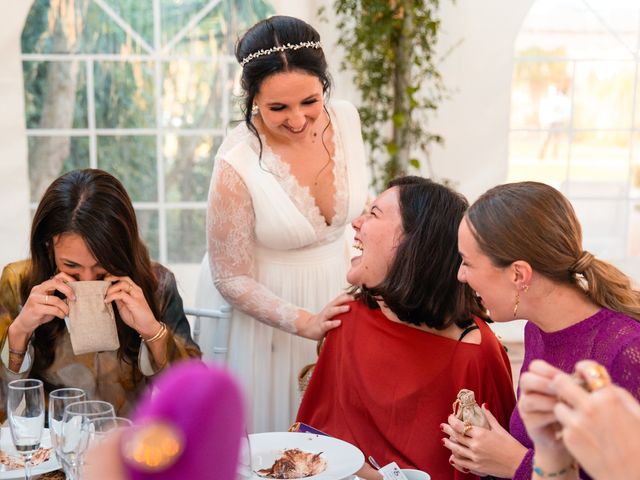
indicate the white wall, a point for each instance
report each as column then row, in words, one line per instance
column 474, row 121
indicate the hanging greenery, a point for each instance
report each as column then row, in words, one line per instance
column 390, row 47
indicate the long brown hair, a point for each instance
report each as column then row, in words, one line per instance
column 534, row 222
column 94, row 205
column 422, row 287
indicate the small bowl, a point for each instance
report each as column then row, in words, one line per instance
column 413, row 474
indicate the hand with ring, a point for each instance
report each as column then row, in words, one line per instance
column 132, row 305
column 601, row 428
column 481, row 451
column 42, row 306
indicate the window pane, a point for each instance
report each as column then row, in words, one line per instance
column 133, row 161
column 604, row 224
column 124, row 93
column 148, row 227
column 55, row 94
column 186, row 235
column 635, row 167
column 50, row 157
column 193, row 95
column 188, row 167
column 634, row 230
column 603, row 95
column 541, row 95
column 540, row 156
column 599, row 164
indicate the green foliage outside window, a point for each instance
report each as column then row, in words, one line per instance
column 390, row 48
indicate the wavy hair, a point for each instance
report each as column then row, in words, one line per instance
column 421, row 287
column 94, row 205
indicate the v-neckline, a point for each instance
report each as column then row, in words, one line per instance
column 296, row 190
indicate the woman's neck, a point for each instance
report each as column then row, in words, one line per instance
column 452, row 331
column 560, row 307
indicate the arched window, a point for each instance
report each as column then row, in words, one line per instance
column 575, row 114
column 142, row 89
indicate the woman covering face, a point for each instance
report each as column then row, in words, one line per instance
column 286, row 182
column 411, row 340
column 521, row 247
column 85, row 229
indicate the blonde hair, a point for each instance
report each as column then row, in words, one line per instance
column 534, row 222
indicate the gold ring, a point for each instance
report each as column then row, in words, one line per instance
column 129, row 287
column 596, row 377
column 46, row 299
column 467, row 427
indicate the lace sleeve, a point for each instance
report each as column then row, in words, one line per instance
column 231, row 242
column 626, row 365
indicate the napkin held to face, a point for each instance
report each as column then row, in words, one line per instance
column 92, row 323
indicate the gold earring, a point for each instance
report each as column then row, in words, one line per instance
column 515, row 308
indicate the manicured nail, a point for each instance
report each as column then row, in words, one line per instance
column 442, row 427
column 451, row 461
column 443, row 441
column 485, row 405
column 465, row 470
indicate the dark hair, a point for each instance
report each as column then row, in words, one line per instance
column 273, row 32
column 534, row 222
column 422, row 287
column 94, row 205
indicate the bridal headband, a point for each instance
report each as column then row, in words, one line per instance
column 281, row 48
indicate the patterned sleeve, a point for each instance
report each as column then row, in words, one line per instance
column 231, row 243
column 180, row 345
column 626, row 365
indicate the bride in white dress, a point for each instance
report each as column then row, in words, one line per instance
column 285, row 184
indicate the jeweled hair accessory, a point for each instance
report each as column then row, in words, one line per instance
column 281, row 48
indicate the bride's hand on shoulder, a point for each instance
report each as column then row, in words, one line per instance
column 316, row 326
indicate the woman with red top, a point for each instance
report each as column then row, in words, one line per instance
column 411, row 340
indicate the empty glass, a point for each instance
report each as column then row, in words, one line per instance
column 58, row 401
column 25, row 409
column 73, row 441
column 97, row 429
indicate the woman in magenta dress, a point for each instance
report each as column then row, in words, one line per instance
column 413, row 338
column 521, row 247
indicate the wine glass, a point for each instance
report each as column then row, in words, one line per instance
column 25, row 409
column 97, row 429
column 73, row 440
column 58, row 401
column 245, row 472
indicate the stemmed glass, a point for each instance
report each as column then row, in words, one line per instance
column 73, row 441
column 25, row 409
column 58, row 401
column 96, row 430
column 245, row 472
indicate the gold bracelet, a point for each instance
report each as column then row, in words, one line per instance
column 161, row 333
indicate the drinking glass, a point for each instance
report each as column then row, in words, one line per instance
column 25, row 409
column 97, row 429
column 58, row 401
column 73, row 440
column 245, row 472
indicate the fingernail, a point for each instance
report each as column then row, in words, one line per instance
column 443, row 441
column 442, row 427
column 451, row 461
column 465, row 470
column 485, row 405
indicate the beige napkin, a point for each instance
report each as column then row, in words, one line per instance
column 91, row 324
column 465, row 408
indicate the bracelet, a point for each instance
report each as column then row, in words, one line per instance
column 542, row 474
column 161, row 333
column 16, row 352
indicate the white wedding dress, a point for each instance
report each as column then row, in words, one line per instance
column 272, row 253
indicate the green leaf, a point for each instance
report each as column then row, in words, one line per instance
column 415, row 163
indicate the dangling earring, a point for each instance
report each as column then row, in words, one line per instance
column 254, row 109
column 515, row 308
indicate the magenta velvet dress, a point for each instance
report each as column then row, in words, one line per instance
column 610, row 338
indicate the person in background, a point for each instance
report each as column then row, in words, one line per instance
column 595, row 427
column 84, row 229
column 521, row 247
column 411, row 341
column 286, row 183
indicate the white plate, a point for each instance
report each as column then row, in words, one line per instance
column 6, row 444
column 343, row 459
